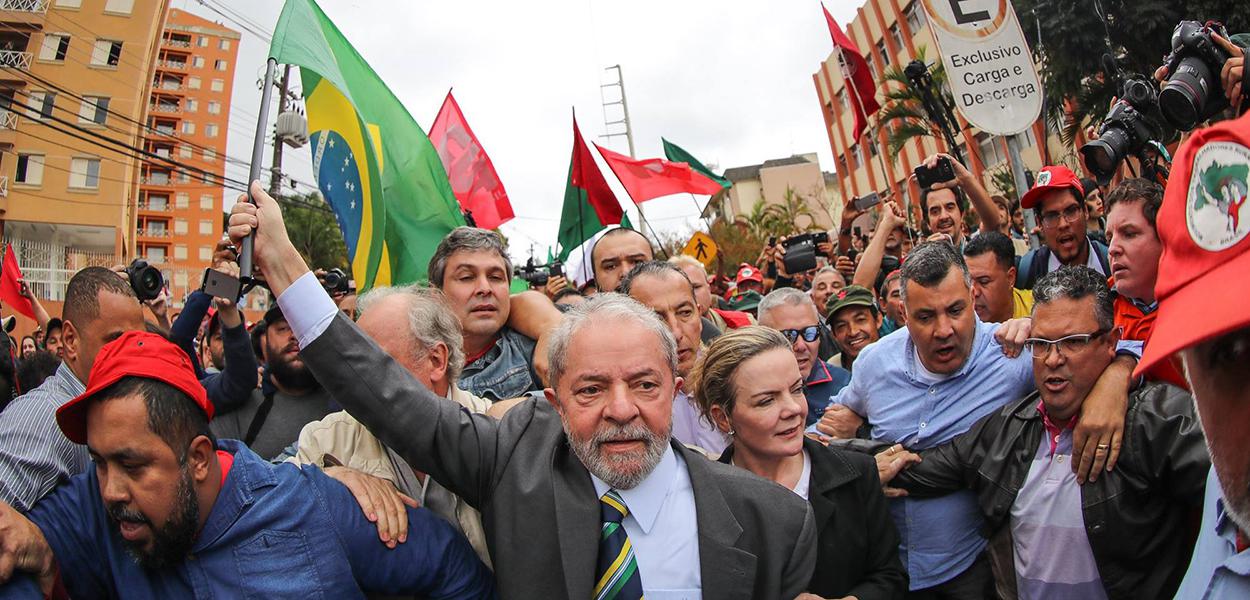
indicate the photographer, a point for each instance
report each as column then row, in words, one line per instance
column 944, row 202
column 232, row 386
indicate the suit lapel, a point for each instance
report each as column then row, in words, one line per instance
column 726, row 571
column 577, row 521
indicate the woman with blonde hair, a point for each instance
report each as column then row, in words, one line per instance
column 748, row 385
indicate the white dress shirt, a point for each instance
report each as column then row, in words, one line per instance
column 663, row 528
column 662, row 523
column 690, row 428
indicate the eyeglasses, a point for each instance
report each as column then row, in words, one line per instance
column 810, row 334
column 1069, row 214
column 1067, row 345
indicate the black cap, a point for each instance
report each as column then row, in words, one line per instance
column 274, row 314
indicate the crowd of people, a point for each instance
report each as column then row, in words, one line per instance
column 930, row 414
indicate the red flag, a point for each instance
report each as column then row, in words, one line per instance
column 855, row 72
column 585, row 175
column 473, row 178
column 654, row 177
column 10, row 291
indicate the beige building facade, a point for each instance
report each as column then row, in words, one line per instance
column 770, row 181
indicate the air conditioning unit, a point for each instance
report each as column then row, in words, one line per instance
column 292, row 129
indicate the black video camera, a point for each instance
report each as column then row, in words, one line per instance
column 1125, row 130
column 146, row 280
column 1193, row 92
column 538, row 275
column 800, row 254
column 335, row 282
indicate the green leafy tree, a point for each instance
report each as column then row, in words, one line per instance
column 903, row 112
column 313, row 230
column 1070, row 37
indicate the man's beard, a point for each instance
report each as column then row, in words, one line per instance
column 293, row 377
column 622, row 472
column 171, row 542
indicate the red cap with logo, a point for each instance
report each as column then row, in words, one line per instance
column 748, row 273
column 1049, row 179
column 1204, row 224
column 134, row 354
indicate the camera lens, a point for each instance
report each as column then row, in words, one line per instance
column 1184, row 98
column 1103, row 155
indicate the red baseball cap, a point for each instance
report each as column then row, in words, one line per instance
column 138, row 354
column 1052, row 178
column 1204, row 224
column 748, row 273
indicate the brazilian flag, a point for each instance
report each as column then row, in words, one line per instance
column 373, row 163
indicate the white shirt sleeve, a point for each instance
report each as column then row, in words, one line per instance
column 308, row 308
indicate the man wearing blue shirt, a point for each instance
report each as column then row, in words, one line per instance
column 168, row 512
column 923, row 385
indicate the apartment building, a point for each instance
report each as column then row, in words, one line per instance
column 891, row 33
column 180, row 206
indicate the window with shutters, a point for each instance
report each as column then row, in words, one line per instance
column 224, row 45
column 202, row 42
column 206, row 202
column 94, row 110
column 188, row 127
column 180, row 226
column 181, row 200
column 193, row 82
column 40, row 104
column 84, row 173
column 214, row 107
column 220, row 65
column 184, row 151
column 206, row 254
column 120, row 7
column 29, row 169
column 55, row 46
column 206, row 227
column 192, row 105
column 217, row 85
column 210, row 130
column 180, row 252
column 68, row 3
column 106, row 53
column 198, row 62
column 210, row 155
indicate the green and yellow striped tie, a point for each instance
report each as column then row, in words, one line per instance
column 617, row 576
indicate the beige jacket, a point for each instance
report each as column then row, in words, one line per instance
column 339, row 439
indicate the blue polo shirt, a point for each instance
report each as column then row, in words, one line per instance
column 274, row 531
column 1217, row 569
column 823, row 383
column 903, row 404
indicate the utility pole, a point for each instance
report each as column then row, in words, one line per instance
column 275, row 172
column 628, row 133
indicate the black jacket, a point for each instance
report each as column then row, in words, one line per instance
column 1139, row 517
column 856, row 542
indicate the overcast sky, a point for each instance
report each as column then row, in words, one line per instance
column 728, row 80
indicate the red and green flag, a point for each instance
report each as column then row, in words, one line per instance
column 589, row 204
column 649, row 178
column 675, row 153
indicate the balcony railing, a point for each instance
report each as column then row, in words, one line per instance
column 164, row 130
column 8, row 120
column 165, row 108
column 176, row 43
column 168, row 85
column 31, row 6
column 4, row 186
column 14, row 59
column 156, row 233
column 155, row 207
column 172, row 64
column 155, row 180
column 48, row 267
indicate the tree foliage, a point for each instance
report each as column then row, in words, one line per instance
column 792, row 214
column 313, row 230
column 903, row 112
column 1070, row 37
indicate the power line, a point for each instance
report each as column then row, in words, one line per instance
column 248, row 28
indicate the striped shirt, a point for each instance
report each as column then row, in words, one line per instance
column 34, row 454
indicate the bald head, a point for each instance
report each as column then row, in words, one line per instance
column 615, row 254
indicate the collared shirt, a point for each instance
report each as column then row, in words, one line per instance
column 1217, row 569
column 34, row 454
column 273, row 531
column 504, row 371
column 663, row 528
column 690, row 428
column 823, row 383
column 940, row 536
column 1053, row 557
column 1092, row 262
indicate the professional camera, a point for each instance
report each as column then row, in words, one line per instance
column 146, row 280
column 1125, row 130
column 335, row 282
column 537, row 275
column 1193, row 92
column 801, row 251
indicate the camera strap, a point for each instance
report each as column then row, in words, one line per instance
column 258, row 419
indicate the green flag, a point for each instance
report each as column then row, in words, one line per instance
column 676, row 154
column 373, row 163
column 589, row 204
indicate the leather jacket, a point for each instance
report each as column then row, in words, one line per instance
column 1139, row 517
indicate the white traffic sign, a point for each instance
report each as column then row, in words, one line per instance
column 988, row 63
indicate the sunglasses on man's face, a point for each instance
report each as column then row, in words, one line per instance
column 810, row 334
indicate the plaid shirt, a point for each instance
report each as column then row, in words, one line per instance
column 34, row 454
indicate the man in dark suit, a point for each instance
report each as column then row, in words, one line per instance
column 589, row 500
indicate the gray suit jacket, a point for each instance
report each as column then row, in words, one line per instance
column 538, row 505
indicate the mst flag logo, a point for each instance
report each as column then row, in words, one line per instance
column 1216, row 209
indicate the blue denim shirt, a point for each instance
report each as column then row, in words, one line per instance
column 940, row 536
column 823, row 383
column 274, row 531
column 1216, row 570
column 505, row 371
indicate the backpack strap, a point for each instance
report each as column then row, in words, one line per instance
column 258, row 419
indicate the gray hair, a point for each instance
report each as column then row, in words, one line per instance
column 652, row 268
column 1075, row 283
column 929, row 263
column 785, row 297
column 430, row 321
column 469, row 239
column 828, row 269
column 605, row 306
